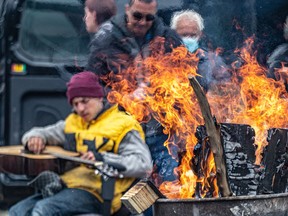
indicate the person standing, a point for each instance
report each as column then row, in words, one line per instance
column 125, row 41
column 190, row 25
column 278, row 60
column 98, row 12
column 124, row 37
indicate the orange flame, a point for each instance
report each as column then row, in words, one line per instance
column 159, row 87
column 282, row 73
column 251, row 98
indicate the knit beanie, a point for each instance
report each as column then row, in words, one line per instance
column 84, row 84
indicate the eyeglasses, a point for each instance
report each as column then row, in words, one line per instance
column 139, row 16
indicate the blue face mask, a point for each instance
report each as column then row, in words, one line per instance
column 191, row 43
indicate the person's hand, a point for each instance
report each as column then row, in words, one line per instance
column 36, row 145
column 88, row 156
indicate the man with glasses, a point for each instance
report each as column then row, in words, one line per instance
column 125, row 41
column 119, row 41
column 140, row 17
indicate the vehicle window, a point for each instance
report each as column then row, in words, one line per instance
column 53, row 31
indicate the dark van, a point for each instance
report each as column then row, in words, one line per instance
column 42, row 42
column 38, row 36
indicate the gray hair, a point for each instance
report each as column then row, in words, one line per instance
column 187, row 14
column 285, row 30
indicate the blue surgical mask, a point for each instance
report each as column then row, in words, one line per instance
column 191, row 43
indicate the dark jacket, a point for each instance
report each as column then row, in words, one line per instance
column 212, row 69
column 276, row 61
column 278, row 57
column 114, row 48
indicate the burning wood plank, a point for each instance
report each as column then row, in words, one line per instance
column 141, row 196
column 238, row 141
column 275, row 161
column 213, row 131
column 200, row 164
column 239, row 151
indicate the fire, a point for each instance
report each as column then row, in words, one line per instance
column 251, row 98
column 158, row 87
column 282, row 73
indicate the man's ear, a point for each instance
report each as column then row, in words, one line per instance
column 95, row 17
column 127, row 8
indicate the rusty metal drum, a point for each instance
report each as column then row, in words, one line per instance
column 257, row 205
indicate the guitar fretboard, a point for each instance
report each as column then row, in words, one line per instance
column 75, row 159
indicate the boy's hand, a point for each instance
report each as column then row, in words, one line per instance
column 88, row 156
column 36, row 145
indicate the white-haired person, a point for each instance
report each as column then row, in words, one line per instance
column 190, row 25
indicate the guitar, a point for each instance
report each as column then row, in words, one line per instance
column 17, row 160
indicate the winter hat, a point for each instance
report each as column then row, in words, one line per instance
column 84, row 84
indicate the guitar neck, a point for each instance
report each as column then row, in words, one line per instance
column 75, row 159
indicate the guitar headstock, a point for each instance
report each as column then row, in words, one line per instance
column 107, row 170
column 110, row 170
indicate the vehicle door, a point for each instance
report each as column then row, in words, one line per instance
column 51, row 35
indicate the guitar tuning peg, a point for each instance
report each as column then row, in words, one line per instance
column 97, row 172
column 105, row 178
column 121, row 176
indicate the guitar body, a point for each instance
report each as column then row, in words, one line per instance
column 13, row 159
